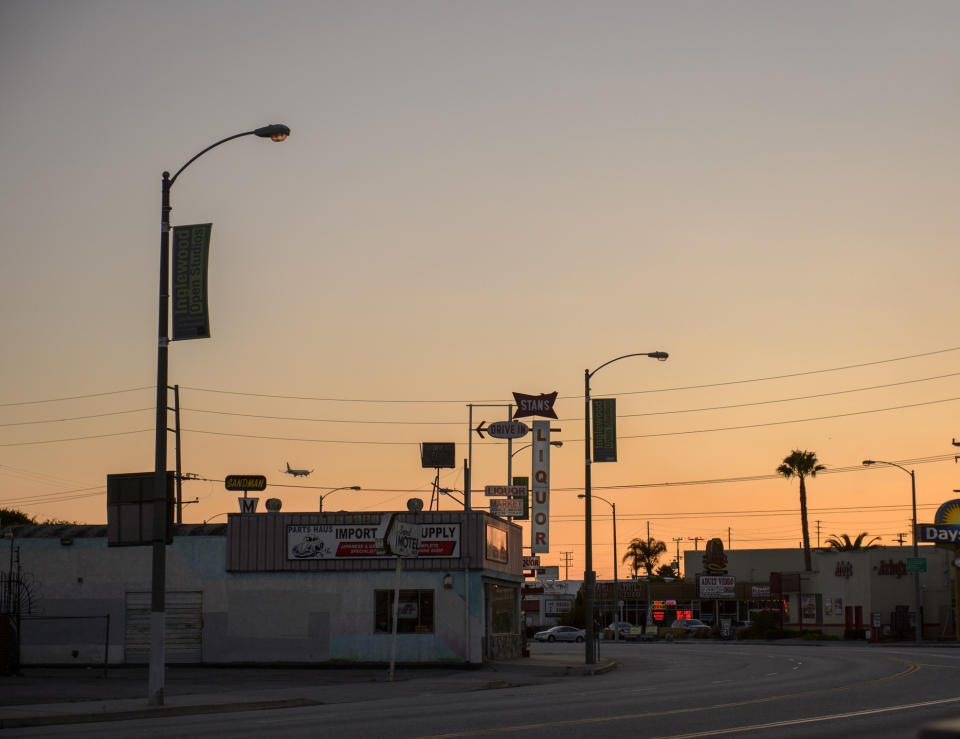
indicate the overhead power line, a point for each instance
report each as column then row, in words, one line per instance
column 77, row 397
column 634, row 392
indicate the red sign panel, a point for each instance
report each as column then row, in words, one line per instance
column 535, row 405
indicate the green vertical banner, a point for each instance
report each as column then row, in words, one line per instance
column 604, row 429
column 191, row 249
column 525, row 482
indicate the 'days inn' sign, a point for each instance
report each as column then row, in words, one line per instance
column 945, row 528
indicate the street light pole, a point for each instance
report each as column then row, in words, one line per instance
column 275, row 132
column 345, row 487
column 589, row 575
column 616, row 583
column 918, row 629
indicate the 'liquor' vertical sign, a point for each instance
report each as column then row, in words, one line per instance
column 540, row 508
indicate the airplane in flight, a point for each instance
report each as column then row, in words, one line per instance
column 297, row 473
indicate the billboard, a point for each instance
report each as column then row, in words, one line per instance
column 353, row 541
column 716, row 586
column 131, row 502
column 435, row 456
column 945, row 528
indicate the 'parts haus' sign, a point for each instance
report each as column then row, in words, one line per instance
column 349, row 541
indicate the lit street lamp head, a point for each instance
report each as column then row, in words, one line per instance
column 274, row 132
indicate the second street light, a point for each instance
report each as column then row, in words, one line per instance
column 588, row 575
column 616, row 582
column 345, row 487
column 918, row 628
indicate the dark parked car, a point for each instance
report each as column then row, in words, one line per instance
column 560, row 633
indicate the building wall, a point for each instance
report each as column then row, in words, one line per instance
column 269, row 616
column 846, row 579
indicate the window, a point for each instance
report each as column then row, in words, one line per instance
column 503, row 609
column 415, row 614
column 496, row 544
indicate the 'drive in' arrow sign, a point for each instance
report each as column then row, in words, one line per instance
column 503, row 429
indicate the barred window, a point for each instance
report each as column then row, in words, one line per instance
column 415, row 615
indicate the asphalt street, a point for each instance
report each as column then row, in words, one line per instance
column 682, row 689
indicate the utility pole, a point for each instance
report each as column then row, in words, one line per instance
column 677, row 540
column 730, row 546
column 900, row 539
column 567, row 559
column 818, row 533
column 695, row 540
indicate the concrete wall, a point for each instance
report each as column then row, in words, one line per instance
column 255, row 617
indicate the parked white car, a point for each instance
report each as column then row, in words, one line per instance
column 623, row 628
column 560, row 633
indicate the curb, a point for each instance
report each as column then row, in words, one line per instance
column 153, row 712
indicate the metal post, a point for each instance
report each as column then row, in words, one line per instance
column 510, row 448
column 106, row 647
column 616, row 582
column 176, row 416
column 157, row 602
column 590, row 656
column 396, row 616
column 918, row 630
column 467, row 482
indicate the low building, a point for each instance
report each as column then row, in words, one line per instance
column 845, row 591
column 275, row 588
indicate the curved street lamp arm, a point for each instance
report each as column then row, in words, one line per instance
column 197, row 156
column 597, row 497
column 662, row 356
column 892, row 464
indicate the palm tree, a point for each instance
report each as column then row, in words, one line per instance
column 644, row 553
column 802, row 464
column 837, row 544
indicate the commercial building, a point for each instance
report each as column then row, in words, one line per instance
column 275, row 588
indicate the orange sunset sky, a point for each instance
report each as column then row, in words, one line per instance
column 486, row 197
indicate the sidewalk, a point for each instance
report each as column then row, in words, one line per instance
column 47, row 695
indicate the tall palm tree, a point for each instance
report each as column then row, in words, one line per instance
column 644, row 553
column 802, row 464
column 845, row 544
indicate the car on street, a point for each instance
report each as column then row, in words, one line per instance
column 622, row 628
column 692, row 626
column 560, row 633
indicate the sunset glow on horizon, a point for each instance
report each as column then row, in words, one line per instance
column 479, row 199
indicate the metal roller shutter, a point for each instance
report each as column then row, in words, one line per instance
column 183, row 628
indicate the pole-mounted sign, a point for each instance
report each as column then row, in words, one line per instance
column 604, row 429
column 245, row 482
column 191, row 250
column 535, row 405
column 503, row 429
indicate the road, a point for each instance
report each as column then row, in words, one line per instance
column 679, row 690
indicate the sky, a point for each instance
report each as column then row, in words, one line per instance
column 481, row 198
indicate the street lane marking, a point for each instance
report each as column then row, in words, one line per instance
column 813, row 719
column 910, row 669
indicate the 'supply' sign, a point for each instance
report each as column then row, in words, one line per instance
column 324, row 541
